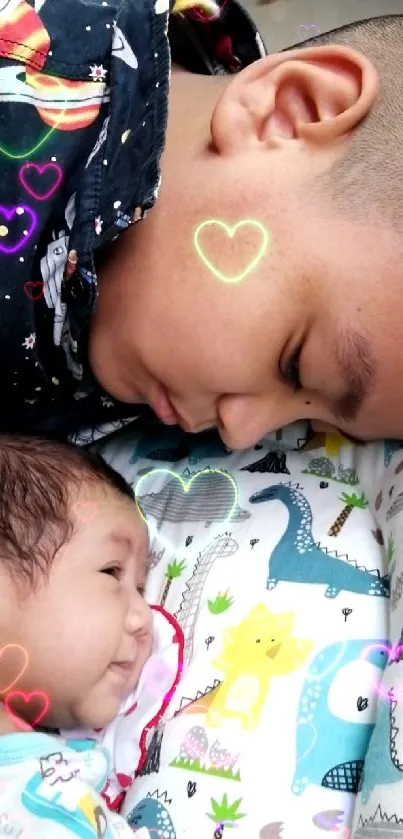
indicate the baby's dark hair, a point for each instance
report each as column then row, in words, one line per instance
column 36, row 479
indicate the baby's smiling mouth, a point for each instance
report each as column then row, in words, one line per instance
column 122, row 668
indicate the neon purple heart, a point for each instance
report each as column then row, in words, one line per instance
column 391, row 652
column 40, row 169
column 8, row 216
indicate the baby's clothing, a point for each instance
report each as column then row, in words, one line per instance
column 73, row 783
column 50, row 789
column 83, row 108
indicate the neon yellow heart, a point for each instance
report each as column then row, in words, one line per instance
column 231, row 231
column 185, row 486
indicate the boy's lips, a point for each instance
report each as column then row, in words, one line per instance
column 165, row 410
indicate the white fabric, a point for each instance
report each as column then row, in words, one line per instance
column 279, row 750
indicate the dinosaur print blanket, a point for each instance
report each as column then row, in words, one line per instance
column 281, row 564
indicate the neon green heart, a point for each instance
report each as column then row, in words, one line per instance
column 186, row 486
column 231, row 231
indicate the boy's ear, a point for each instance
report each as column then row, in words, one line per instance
column 314, row 95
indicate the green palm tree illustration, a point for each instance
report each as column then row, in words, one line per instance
column 350, row 502
column 174, row 570
column 224, row 815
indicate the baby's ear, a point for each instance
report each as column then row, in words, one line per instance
column 317, row 94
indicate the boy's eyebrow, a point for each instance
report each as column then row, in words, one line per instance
column 358, row 367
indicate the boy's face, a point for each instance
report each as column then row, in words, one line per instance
column 322, row 304
column 87, row 631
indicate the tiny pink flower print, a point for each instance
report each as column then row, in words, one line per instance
column 29, row 342
column 97, row 72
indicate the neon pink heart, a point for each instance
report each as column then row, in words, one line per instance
column 19, row 212
column 34, row 294
column 205, row 17
column 383, row 692
column 22, row 667
column 46, row 167
column 27, row 698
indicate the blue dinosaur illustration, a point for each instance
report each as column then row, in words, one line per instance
column 381, row 763
column 298, row 559
column 330, row 751
column 209, row 498
column 389, row 449
column 173, row 444
column 152, row 814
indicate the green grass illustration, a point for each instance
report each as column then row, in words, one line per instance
column 220, row 603
column 194, row 766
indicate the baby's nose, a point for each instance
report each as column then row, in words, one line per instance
column 139, row 615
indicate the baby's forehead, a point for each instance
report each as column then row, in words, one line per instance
column 105, row 508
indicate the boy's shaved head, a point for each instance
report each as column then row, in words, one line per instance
column 368, row 176
column 307, row 144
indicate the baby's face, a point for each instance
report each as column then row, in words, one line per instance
column 87, row 631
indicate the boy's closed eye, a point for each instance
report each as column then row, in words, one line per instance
column 291, row 372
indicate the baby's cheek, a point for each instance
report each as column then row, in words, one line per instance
column 98, row 709
column 146, row 646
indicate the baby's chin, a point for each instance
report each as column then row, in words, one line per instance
column 96, row 712
column 103, row 702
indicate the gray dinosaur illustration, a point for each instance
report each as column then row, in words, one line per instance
column 222, row 547
column 323, row 467
column 298, row 558
column 209, row 498
column 380, row 824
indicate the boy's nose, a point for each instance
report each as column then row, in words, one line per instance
column 323, row 427
column 194, row 428
column 244, row 420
